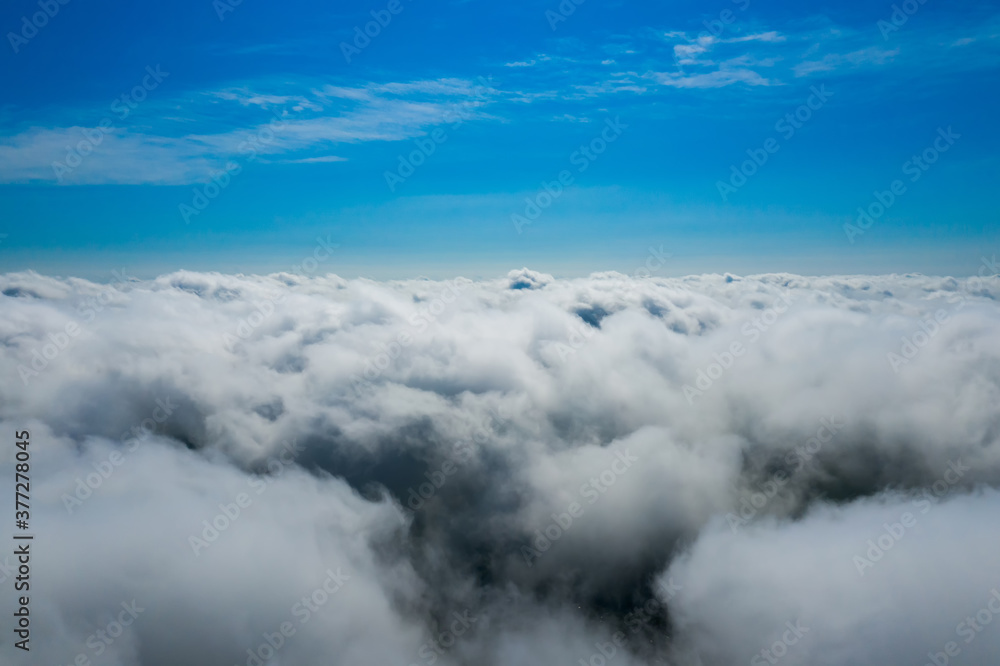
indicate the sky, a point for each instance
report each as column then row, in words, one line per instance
column 470, row 138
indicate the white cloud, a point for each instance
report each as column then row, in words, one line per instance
column 833, row 61
column 529, row 387
column 770, row 36
column 323, row 159
column 715, row 79
column 175, row 154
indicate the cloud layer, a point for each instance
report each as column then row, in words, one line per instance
column 509, row 471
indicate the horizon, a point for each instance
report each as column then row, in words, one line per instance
column 115, row 275
column 743, row 137
column 621, row 333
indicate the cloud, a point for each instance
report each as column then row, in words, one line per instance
column 769, row 36
column 694, row 52
column 246, row 97
column 716, row 79
column 833, row 61
column 692, row 462
column 739, row 590
column 812, row 46
column 282, row 121
column 92, row 155
column 322, row 159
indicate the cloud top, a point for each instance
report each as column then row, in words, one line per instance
column 509, row 471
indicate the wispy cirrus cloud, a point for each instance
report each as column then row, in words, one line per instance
column 121, row 157
column 323, row 159
column 745, row 54
column 871, row 56
column 183, row 137
column 283, row 123
column 714, row 79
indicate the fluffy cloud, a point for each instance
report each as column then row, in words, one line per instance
column 532, row 463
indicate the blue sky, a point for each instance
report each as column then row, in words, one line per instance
column 502, row 97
